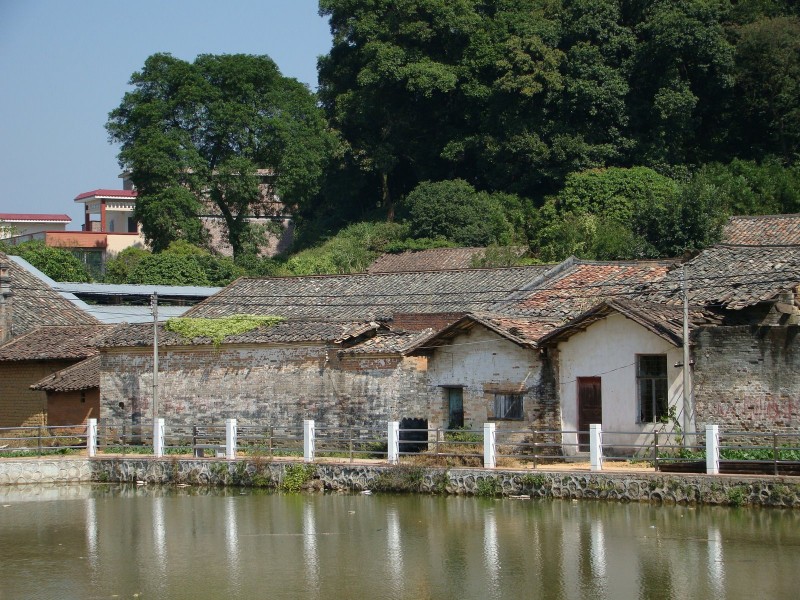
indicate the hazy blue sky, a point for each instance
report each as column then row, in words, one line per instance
column 64, row 64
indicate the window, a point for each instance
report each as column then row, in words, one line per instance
column 652, row 384
column 508, row 406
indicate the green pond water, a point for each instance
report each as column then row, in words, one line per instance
column 104, row 541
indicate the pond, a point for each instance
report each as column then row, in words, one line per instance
column 104, row 541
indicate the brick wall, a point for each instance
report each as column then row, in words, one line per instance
column 72, row 408
column 747, row 378
column 279, row 385
column 420, row 321
column 20, row 405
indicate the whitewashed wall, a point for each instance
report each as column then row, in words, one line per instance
column 608, row 349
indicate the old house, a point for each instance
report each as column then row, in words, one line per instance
column 621, row 363
column 73, row 393
column 339, row 356
column 40, row 333
column 360, row 349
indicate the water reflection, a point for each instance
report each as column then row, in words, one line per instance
column 104, row 541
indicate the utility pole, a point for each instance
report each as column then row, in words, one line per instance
column 688, row 408
column 154, row 307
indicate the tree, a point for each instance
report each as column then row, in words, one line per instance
column 455, row 211
column 768, row 85
column 56, row 263
column 202, row 133
column 388, row 85
column 746, row 187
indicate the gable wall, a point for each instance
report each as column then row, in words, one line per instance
column 266, row 385
column 608, row 349
column 21, row 406
column 747, row 378
column 484, row 363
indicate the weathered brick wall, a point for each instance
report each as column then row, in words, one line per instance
column 20, row 405
column 279, row 385
column 420, row 321
column 747, row 378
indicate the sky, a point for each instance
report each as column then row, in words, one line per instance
column 65, row 64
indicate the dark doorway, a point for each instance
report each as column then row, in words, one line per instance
column 455, row 407
column 413, row 435
column 590, row 408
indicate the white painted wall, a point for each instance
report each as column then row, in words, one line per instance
column 608, row 349
column 479, row 360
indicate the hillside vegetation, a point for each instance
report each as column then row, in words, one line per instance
column 608, row 129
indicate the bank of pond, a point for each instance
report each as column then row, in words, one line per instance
column 292, row 476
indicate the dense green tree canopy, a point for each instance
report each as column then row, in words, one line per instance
column 57, row 263
column 455, row 211
column 199, row 132
column 513, row 95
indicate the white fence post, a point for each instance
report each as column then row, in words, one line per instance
column 596, row 447
column 393, row 447
column 489, row 446
column 712, row 449
column 230, row 439
column 158, row 438
column 308, row 440
column 91, row 437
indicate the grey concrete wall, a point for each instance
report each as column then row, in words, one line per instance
column 42, row 470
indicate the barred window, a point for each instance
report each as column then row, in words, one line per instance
column 508, row 406
column 653, row 387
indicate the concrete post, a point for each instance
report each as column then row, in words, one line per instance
column 91, row 437
column 596, row 447
column 158, row 438
column 489, row 446
column 230, row 439
column 712, row 449
column 393, row 447
column 308, row 440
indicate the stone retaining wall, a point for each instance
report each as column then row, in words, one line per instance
column 620, row 486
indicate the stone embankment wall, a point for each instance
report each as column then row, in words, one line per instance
column 620, row 486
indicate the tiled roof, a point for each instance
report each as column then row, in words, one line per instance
column 765, row 230
column 35, row 217
column 733, row 277
column 84, row 375
column 664, row 320
column 34, row 304
column 54, row 343
column 106, row 193
column 575, row 286
column 287, row 332
column 364, row 297
column 434, row 259
column 389, row 342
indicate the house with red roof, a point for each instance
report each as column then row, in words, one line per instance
column 14, row 224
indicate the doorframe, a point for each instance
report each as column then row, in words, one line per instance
column 583, row 436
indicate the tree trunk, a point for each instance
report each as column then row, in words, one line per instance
column 386, row 197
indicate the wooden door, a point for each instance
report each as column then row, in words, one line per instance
column 590, row 408
column 455, row 408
